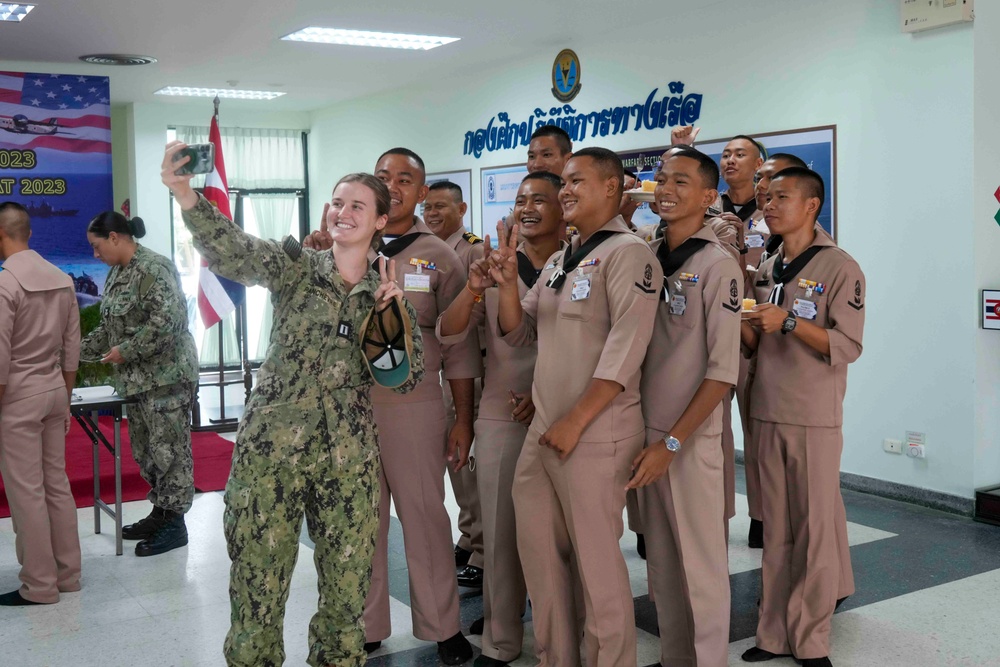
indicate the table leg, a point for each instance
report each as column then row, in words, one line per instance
column 97, row 476
column 118, row 481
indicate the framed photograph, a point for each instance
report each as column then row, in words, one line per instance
column 462, row 179
column 990, row 309
column 499, row 190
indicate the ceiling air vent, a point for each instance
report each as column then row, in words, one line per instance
column 117, row 59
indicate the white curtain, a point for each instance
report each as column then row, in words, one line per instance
column 255, row 158
column 275, row 217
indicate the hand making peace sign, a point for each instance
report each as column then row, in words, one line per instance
column 503, row 260
column 388, row 288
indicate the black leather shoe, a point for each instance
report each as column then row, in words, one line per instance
column 840, row 602
column 172, row 534
column 486, row 661
column 371, row 647
column 455, row 650
column 755, row 538
column 143, row 529
column 470, row 576
column 640, row 545
column 14, row 599
column 817, row 662
column 477, row 626
column 462, row 557
column 754, row 654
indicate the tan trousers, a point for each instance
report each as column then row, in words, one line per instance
column 751, row 466
column 567, row 508
column 498, row 445
column 687, row 559
column 465, row 488
column 411, row 442
column 43, row 512
column 804, row 567
column 728, row 447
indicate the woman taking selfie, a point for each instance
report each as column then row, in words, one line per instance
column 307, row 442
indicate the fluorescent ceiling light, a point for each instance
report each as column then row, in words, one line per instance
column 226, row 93
column 386, row 40
column 14, row 12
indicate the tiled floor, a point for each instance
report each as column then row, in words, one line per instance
column 928, row 594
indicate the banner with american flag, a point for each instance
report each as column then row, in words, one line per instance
column 55, row 160
column 217, row 296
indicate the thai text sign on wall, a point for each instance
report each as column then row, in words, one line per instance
column 657, row 112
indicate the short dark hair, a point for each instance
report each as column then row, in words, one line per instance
column 630, row 172
column 794, row 160
column 607, row 161
column 15, row 221
column 399, row 150
column 707, row 168
column 812, row 183
column 761, row 151
column 453, row 188
column 112, row 221
column 547, row 176
column 560, row 135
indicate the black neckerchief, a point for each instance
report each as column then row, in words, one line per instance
column 526, row 270
column 772, row 244
column 672, row 260
column 571, row 261
column 744, row 213
column 782, row 274
column 394, row 247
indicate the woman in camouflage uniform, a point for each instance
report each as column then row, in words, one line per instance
column 144, row 333
column 307, row 442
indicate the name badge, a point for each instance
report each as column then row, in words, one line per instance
column 417, row 282
column 581, row 289
column 755, row 241
column 804, row 308
column 678, row 304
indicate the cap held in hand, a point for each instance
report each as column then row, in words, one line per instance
column 387, row 343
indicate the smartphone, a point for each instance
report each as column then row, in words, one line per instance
column 202, row 159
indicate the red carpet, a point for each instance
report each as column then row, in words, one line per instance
column 212, row 457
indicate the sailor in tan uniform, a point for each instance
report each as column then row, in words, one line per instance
column 591, row 313
column 691, row 364
column 414, row 443
column 505, row 411
column 443, row 213
column 39, row 355
column 806, row 329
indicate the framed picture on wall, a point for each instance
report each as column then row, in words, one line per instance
column 816, row 146
column 462, row 179
column 499, row 190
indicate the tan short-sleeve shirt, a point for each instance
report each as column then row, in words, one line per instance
column 597, row 326
column 431, row 275
column 696, row 336
column 795, row 384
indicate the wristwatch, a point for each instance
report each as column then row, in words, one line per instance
column 673, row 444
column 789, row 323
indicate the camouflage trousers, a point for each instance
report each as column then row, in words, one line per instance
column 159, row 427
column 281, row 470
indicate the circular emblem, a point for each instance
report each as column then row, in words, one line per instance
column 996, row 310
column 491, row 188
column 566, row 75
column 734, row 292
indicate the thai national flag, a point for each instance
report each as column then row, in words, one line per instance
column 217, row 296
column 992, row 309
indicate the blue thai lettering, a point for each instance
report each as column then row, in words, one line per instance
column 692, row 109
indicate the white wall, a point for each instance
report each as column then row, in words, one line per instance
column 147, row 135
column 903, row 109
column 986, row 241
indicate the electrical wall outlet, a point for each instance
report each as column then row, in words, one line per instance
column 892, row 446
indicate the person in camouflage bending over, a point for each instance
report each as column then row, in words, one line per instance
column 307, row 442
column 144, row 333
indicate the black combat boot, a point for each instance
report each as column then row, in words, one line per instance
column 171, row 534
column 143, row 529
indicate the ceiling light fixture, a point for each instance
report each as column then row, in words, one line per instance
column 117, row 59
column 388, row 40
column 226, row 93
column 14, row 12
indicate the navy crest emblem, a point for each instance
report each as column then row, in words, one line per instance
column 566, row 75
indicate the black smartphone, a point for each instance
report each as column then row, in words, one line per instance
column 202, row 159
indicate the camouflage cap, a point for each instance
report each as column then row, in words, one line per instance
column 387, row 343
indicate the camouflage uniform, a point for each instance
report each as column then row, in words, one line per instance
column 307, row 444
column 144, row 313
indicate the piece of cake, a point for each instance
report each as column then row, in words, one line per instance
column 749, row 304
column 648, row 186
